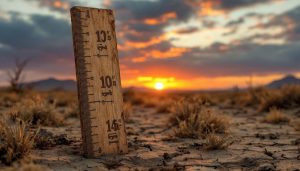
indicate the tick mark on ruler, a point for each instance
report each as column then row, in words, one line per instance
column 102, row 101
column 99, row 55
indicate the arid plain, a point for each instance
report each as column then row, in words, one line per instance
column 253, row 129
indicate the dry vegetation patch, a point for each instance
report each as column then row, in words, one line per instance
column 16, row 141
column 197, row 120
column 36, row 111
column 275, row 116
column 216, row 142
column 28, row 167
column 296, row 125
column 165, row 106
column 73, row 110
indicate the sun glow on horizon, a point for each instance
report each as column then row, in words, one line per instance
column 159, row 86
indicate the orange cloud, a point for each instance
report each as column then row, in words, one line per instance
column 173, row 52
column 208, row 8
column 139, row 59
column 162, row 19
column 58, row 4
column 152, row 41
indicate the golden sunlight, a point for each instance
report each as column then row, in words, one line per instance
column 159, row 86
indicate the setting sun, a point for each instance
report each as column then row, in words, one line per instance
column 159, row 86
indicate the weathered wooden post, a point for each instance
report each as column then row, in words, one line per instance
column 98, row 81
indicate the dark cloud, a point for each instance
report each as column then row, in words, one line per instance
column 289, row 21
column 246, row 59
column 235, row 22
column 139, row 10
column 47, row 40
column 43, row 39
column 133, row 15
column 233, row 4
column 61, row 6
column 294, row 14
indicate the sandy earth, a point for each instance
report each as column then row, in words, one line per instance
column 255, row 146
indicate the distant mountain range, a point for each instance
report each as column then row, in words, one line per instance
column 51, row 84
column 70, row 85
column 287, row 80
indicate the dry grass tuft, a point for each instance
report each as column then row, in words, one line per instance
column 61, row 98
column 296, row 125
column 28, row 167
column 37, row 111
column 8, row 99
column 133, row 97
column 152, row 102
column 16, row 141
column 196, row 120
column 216, row 142
column 275, row 116
column 189, row 127
column 286, row 97
column 73, row 111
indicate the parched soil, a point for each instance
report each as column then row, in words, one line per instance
column 254, row 146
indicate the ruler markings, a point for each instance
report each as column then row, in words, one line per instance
column 98, row 79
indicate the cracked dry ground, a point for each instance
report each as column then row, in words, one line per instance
column 255, row 146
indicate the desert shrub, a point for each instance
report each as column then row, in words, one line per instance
column 8, row 99
column 189, row 127
column 275, row 116
column 216, row 142
column 127, row 110
column 151, row 102
column 274, row 98
column 252, row 97
column 61, row 98
column 296, row 125
column 137, row 100
column 164, row 107
column 128, row 94
column 283, row 98
column 45, row 140
column 182, row 110
column 27, row 167
column 36, row 111
column 196, row 120
column 73, row 111
column 133, row 97
column 16, row 141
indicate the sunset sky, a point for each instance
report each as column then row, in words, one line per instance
column 184, row 44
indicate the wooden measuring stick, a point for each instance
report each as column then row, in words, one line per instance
column 98, row 81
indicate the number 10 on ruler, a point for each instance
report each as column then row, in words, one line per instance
column 98, row 81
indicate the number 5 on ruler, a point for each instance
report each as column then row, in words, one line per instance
column 98, row 81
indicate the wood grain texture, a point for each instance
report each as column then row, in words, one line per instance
column 98, row 81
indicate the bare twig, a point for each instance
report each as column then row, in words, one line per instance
column 16, row 74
